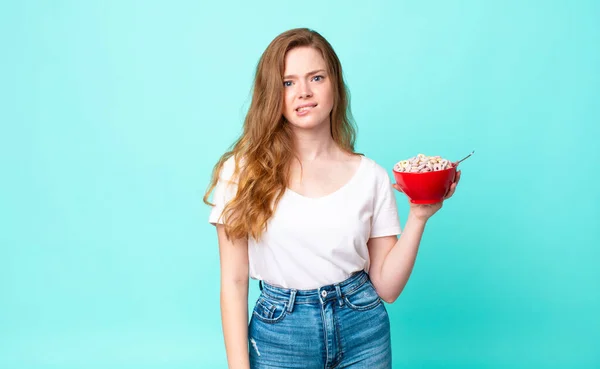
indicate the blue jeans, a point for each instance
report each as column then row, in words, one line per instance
column 344, row 325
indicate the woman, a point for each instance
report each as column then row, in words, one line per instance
column 316, row 223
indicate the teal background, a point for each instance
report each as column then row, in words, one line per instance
column 113, row 114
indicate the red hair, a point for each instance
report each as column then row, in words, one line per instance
column 266, row 144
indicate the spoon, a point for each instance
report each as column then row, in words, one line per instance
column 466, row 157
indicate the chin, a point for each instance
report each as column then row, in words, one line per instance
column 308, row 122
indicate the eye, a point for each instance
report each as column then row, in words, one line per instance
column 321, row 77
column 285, row 83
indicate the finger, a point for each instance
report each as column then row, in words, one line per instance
column 450, row 191
column 397, row 187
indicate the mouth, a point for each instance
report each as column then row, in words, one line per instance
column 305, row 108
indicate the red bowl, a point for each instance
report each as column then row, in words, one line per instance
column 426, row 187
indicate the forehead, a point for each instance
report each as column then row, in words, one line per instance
column 303, row 59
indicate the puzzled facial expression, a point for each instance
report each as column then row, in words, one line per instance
column 308, row 92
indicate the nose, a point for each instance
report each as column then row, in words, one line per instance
column 304, row 91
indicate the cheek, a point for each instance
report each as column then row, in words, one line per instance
column 329, row 97
column 288, row 107
column 328, row 92
column 288, row 100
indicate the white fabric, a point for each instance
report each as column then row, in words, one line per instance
column 312, row 242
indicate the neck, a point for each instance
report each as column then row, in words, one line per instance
column 314, row 144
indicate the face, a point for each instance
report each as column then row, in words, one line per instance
column 308, row 96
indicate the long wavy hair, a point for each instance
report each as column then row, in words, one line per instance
column 264, row 150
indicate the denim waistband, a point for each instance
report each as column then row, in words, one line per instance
column 317, row 295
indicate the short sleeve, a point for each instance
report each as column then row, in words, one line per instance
column 224, row 192
column 385, row 220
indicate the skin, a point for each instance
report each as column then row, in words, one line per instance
column 306, row 81
column 321, row 168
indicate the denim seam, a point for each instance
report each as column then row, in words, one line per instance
column 274, row 298
column 350, row 291
column 355, row 285
column 337, row 322
column 271, row 320
column 370, row 306
column 324, row 334
column 296, row 301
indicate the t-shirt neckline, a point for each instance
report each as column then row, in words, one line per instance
column 334, row 193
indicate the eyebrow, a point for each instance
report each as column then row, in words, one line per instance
column 308, row 74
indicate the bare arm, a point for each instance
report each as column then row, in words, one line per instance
column 234, row 298
column 393, row 259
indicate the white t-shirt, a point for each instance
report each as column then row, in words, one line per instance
column 312, row 242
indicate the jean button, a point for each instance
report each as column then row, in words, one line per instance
column 323, row 294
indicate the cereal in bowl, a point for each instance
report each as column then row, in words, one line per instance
column 422, row 163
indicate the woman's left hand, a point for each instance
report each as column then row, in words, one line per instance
column 424, row 212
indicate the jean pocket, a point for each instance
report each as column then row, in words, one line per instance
column 269, row 310
column 363, row 298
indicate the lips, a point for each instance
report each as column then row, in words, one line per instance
column 305, row 107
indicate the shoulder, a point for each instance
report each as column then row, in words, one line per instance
column 377, row 172
column 228, row 170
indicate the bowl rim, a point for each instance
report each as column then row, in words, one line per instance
column 454, row 166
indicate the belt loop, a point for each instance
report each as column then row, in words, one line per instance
column 260, row 285
column 291, row 301
column 338, row 291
